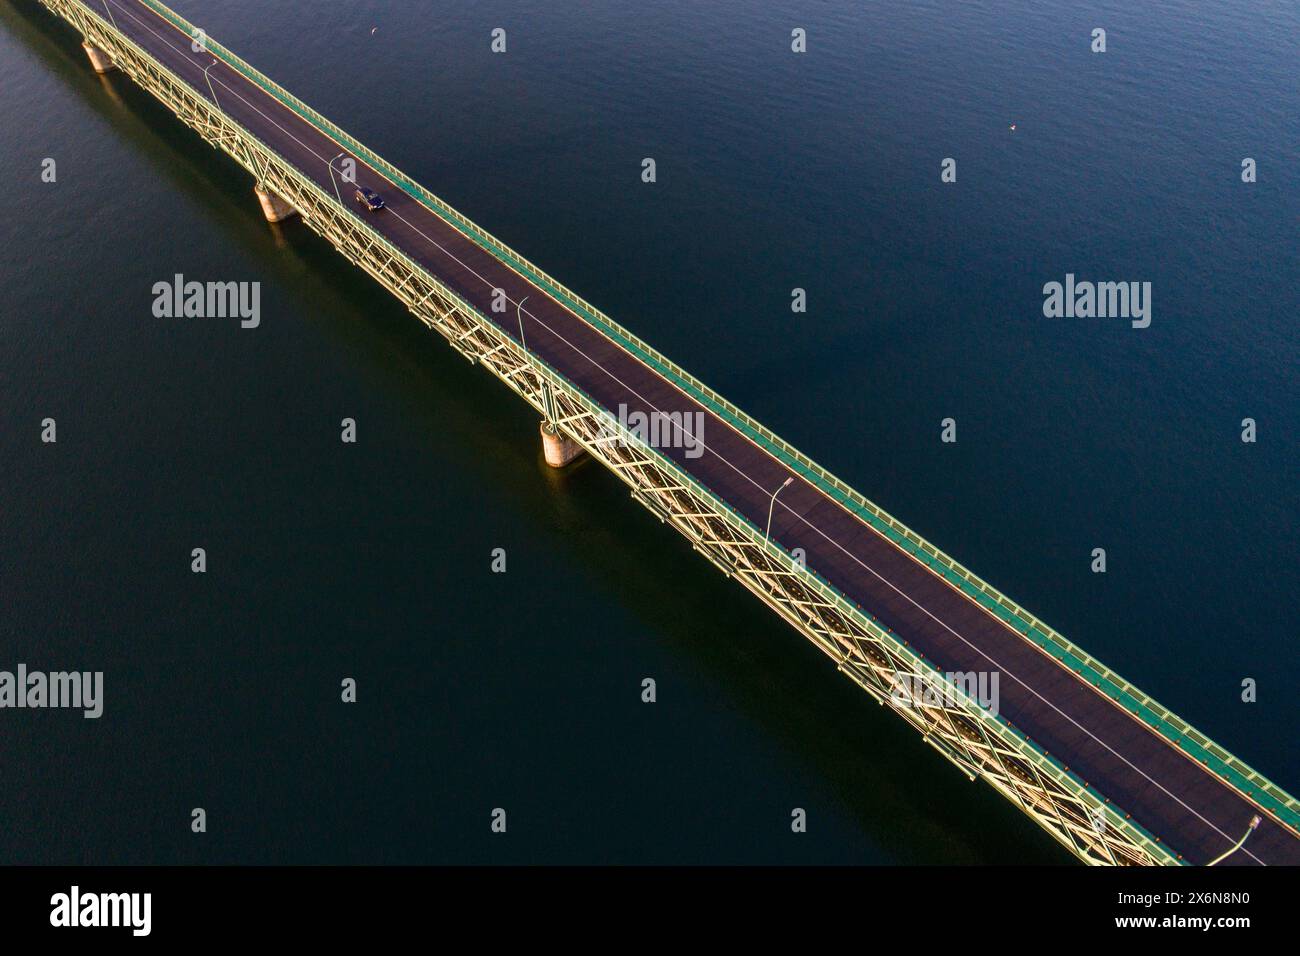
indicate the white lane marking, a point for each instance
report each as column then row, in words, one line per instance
column 727, row 462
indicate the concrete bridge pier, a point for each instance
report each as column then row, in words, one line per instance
column 100, row 60
column 273, row 207
column 558, row 447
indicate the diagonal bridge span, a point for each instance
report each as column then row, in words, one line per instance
column 1114, row 776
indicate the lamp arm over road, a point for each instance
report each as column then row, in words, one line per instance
column 1254, row 823
column 209, row 79
column 333, row 180
column 771, row 505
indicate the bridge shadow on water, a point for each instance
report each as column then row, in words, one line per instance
column 460, row 469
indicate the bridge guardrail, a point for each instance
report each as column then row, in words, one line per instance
column 1160, row 718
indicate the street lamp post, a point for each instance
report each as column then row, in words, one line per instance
column 519, row 311
column 772, row 505
column 335, row 181
column 209, row 79
column 1254, row 824
column 548, row 402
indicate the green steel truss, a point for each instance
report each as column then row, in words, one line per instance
column 978, row 743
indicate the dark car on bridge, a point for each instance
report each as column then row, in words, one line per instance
column 371, row 199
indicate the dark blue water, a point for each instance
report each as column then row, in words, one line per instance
column 775, row 170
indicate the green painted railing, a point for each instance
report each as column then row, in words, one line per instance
column 1162, row 720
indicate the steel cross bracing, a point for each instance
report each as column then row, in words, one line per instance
column 979, row 743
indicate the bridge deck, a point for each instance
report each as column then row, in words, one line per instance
column 1170, row 794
